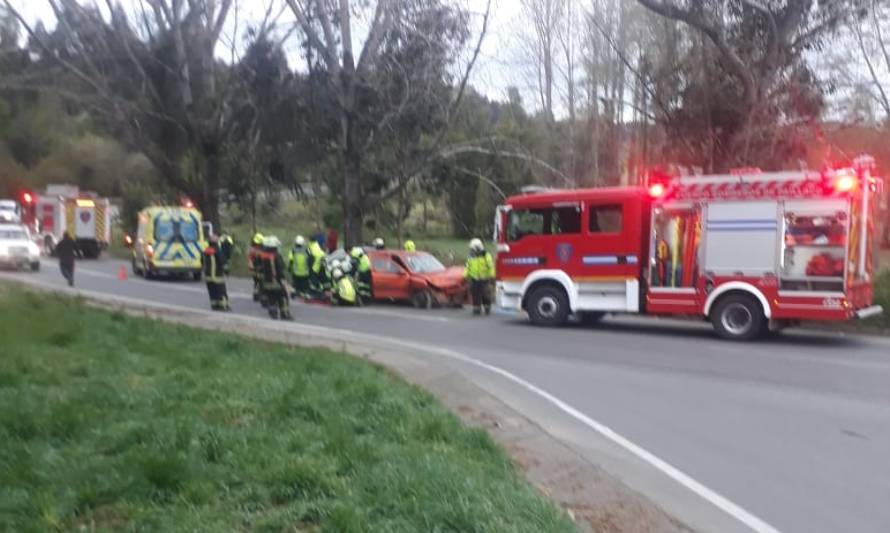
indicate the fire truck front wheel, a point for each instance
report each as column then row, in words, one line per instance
column 548, row 306
column 738, row 317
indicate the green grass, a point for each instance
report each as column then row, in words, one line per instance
column 109, row 422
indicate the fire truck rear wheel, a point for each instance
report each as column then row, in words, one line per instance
column 548, row 306
column 738, row 317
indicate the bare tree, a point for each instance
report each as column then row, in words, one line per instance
column 150, row 75
column 357, row 68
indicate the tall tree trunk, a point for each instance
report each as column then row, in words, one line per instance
column 352, row 187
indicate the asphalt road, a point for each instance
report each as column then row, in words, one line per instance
column 790, row 434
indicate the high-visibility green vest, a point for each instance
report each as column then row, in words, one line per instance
column 479, row 267
column 345, row 289
column 299, row 262
column 364, row 264
column 317, row 256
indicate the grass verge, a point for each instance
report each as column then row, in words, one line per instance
column 110, row 422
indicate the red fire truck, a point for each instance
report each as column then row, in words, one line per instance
column 748, row 250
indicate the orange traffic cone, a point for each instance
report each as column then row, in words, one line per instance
column 122, row 273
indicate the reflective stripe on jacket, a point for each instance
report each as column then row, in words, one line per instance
column 479, row 267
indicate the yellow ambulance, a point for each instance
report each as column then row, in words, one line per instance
column 169, row 242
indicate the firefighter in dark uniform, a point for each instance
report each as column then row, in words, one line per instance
column 226, row 248
column 214, row 267
column 480, row 273
column 298, row 264
column 361, row 266
column 274, row 279
column 253, row 257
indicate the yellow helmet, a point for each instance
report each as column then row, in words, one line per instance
column 410, row 246
column 258, row 239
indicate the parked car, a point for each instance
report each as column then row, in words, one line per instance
column 416, row 277
column 17, row 249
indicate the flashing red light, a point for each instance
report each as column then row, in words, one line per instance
column 27, row 197
column 845, row 183
column 189, row 204
column 656, row 190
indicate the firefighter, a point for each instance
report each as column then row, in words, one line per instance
column 214, row 268
column 226, row 248
column 361, row 265
column 378, row 243
column 480, row 273
column 298, row 264
column 343, row 290
column 410, row 246
column 274, row 279
column 256, row 245
column 316, row 269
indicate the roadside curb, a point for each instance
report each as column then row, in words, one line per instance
column 595, row 500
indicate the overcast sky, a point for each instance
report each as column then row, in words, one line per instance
column 496, row 70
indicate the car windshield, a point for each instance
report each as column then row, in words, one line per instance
column 168, row 230
column 13, row 235
column 424, row 264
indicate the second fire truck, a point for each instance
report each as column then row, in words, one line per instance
column 748, row 251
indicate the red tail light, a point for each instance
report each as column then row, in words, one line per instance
column 656, row 190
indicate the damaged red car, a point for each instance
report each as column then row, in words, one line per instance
column 416, row 277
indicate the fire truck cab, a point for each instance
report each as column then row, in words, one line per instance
column 747, row 250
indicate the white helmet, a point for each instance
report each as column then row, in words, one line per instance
column 378, row 243
column 300, row 241
column 335, row 263
column 337, row 273
column 271, row 242
column 476, row 245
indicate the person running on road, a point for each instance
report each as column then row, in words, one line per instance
column 361, row 266
column 65, row 250
column 480, row 273
column 274, row 279
column 298, row 263
column 214, row 268
column 343, row 291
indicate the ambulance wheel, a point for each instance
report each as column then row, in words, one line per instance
column 548, row 306
column 738, row 317
column 422, row 299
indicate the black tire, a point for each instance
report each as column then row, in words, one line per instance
column 590, row 318
column 738, row 317
column 422, row 300
column 548, row 306
column 35, row 266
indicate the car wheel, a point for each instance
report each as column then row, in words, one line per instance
column 35, row 266
column 548, row 306
column 422, row 300
column 738, row 317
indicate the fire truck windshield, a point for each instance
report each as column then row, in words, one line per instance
column 560, row 220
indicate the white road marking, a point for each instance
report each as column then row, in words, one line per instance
column 721, row 502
